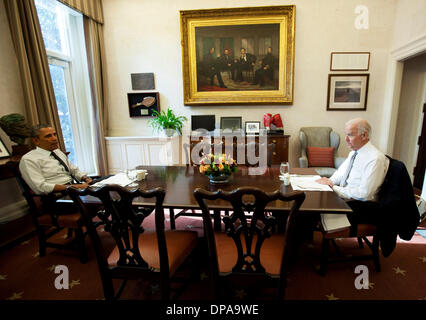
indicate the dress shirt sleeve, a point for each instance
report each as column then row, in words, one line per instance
column 338, row 174
column 372, row 178
column 31, row 173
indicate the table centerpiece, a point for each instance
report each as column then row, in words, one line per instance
column 218, row 168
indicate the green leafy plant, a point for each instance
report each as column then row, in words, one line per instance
column 167, row 120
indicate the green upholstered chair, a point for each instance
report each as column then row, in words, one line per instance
column 319, row 137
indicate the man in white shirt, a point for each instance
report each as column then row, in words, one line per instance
column 46, row 169
column 361, row 174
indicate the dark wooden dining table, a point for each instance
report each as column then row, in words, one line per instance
column 179, row 182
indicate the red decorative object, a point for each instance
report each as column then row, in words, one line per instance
column 267, row 119
column 276, row 120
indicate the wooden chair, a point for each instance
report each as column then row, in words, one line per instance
column 364, row 230
column 249, row 249
column 48, row 221
column 138, row 253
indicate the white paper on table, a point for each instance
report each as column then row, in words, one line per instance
column 120, row 178
column 307, row 183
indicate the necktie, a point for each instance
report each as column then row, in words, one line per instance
column 53, row 154
column 348, row 170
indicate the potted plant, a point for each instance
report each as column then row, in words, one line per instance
column 218, row 168
column 18, row 130
column 167, row 121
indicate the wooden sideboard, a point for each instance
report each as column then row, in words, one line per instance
column 279, row 154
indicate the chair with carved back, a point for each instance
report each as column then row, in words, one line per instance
column 48, row 220
column 397, row 213
column 154, row 254
column 249, row 250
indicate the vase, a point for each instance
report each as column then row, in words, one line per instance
column 219, row 179
column 169, row 132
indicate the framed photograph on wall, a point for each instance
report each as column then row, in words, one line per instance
column 252, row 128
column 347, row 92
column 238, row 55
column 142, row 104
column 4, row 153
column 350, row 61
column 231, row 123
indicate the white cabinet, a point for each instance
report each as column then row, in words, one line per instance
column 129, row 152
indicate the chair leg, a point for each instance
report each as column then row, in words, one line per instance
column 324, row 256
column 41, row 241
column 172, row 219
column 81, row 245
column 361, row 245
column 376, row 257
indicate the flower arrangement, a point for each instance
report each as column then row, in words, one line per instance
column 217, row 165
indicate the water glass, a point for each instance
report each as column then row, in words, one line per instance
column 284, row 168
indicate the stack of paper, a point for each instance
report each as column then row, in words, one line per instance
column 307, row 183
column 334, row 222
column 120, row 178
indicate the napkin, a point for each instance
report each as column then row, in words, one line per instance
column 120, row 178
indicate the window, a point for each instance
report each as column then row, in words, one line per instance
column 63, row 35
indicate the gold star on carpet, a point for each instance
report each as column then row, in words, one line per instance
column 25, row 242
column 74, row 283
column 331, row 297
column 399, row 271
column 35, row 255
column 423, row 259
column 16, row 296
column 102, row 230
column 203, row 276
column 240, row 294
column 371, row 285
column 52, row 267
column 311, row 246
column 3, row 276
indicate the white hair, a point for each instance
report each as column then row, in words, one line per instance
column 362, row 125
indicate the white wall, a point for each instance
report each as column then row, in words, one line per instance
column 410, row 115
column 144, row 36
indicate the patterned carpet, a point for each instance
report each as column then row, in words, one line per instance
column 26, row 276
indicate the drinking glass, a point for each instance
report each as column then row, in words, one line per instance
column 284, row 168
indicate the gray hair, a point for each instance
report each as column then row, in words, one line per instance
column 362, row 125
column 35, row 130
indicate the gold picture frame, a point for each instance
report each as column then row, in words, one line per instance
column 214, row 42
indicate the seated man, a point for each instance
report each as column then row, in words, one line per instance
column 46, row 169
column 360, row 176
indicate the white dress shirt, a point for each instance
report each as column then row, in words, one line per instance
column 41, row 171
column 366, row 176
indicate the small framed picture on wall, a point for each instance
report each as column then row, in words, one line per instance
column 252, row 128
column 142, row 104
column 347, row 92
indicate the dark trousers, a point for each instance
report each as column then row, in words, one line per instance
column 363, row 212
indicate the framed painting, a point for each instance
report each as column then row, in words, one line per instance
column 142, row 104
column 347, row 92
column 4, row 153
column 238, row 55
column 231, row 123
